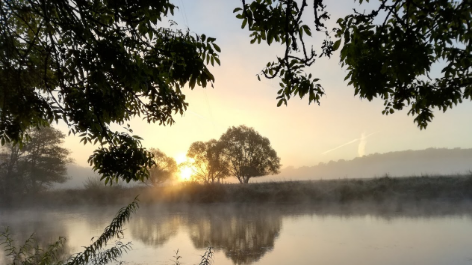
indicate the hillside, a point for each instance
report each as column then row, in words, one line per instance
column 432, row 161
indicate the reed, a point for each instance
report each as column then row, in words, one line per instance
column 386, row 188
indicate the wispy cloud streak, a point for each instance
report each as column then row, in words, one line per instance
column 363, row 140
column 348, row 143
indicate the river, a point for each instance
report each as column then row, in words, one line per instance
column 262, row 234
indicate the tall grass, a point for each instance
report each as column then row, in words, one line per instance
column 29, row 253
column 415, row 188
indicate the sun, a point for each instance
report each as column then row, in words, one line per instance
column 186, row 172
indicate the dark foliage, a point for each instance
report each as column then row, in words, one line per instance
column 389, row 52
column 96, row 63
column 36, row 165
column 248, row 153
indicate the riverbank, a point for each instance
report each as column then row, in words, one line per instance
column 449, row 189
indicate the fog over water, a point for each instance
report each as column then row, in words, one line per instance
column 421, row 233
column 432, row 161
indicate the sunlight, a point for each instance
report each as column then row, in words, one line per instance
column 186, row 172
column 180, row 158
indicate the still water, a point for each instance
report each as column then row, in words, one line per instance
column 263, row 234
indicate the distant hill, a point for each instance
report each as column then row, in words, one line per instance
column 432, row 161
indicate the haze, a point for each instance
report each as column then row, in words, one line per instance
column 343, row 127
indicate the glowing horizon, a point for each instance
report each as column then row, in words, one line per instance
column 301, row 134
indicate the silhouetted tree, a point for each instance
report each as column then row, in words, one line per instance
column 388, row 49
column 206, row 159
column 248, row 153
column 164, row 167
column 40, row 162
column 11, row 177
column 96, row 63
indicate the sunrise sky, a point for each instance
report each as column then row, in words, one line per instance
column 343, row 127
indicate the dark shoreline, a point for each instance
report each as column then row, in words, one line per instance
column 384, row 190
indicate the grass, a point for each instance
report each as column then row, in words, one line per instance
column 341, row 191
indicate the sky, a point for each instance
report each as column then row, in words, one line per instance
column 342, row 127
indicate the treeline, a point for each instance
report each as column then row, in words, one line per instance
column 41, row 161
column 450, row 190
column 35, row 165
column 241, row 152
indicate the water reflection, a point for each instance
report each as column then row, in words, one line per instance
column 152, row 230
column 44, row 227
column 244, row 233
column 247, row 233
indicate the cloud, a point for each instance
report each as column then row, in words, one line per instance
column 348, row 143
column 361, row 146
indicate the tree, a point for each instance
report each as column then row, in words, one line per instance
column 206, row 160
column 10, row 175
column 92, row 64
column 389, row 52
column 40, row 162
column 248, row 153
column 164, row 167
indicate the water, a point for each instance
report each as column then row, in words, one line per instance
column 263, row 234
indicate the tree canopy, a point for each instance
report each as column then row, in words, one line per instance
column 164, row 167
column 206, row 160
column 40, row 163
column 248, row 153
column 388, row 52
column 92, row 64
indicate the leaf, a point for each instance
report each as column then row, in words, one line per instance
column 280, row 103
column 307, row 30
column 217, row 48
column 244, row 23
column 336, row 45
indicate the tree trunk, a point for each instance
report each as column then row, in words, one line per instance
column 240, row 179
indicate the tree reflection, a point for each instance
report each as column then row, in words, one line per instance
column 244, row 234
column 38, row 227
column 154, row 231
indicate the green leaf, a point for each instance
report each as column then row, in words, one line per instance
column 336, row 45
column 244, row 23
column 217, row 48
column 307, row 30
